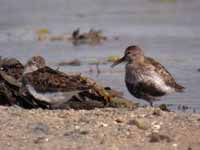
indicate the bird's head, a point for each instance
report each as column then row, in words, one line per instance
column 35, row 63
column 132, row 54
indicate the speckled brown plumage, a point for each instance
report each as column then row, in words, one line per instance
column 48, row 80
column 162, row 71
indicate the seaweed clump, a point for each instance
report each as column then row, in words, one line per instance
column 92, row 37
column 97, row 97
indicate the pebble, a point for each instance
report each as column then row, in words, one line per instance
column 157, row 112
column 41, row 140
column 175, row 145
column 119, row 120
column 39, row 128
column 140, row 123
column 156, row 126
column 156, row 137
column 77, row 127
column 101, row 124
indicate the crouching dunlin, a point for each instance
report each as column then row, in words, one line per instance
column 146, row 78
column 48, row 85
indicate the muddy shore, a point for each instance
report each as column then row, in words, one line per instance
column 106, row 128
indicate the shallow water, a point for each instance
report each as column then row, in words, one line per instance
column 167, row 31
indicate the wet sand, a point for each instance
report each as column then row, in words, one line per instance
column 107, row 128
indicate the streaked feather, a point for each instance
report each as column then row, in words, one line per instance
column 162, row 72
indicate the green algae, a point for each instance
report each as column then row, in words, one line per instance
column 122, row 103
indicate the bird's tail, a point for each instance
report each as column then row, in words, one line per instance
column 179, row 88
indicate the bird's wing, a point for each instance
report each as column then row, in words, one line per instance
column 49, row 80
column 167, row 77
column 12, row 81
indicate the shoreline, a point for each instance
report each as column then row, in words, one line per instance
column 102, row 128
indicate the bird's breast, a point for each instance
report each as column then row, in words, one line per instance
column 135, row 75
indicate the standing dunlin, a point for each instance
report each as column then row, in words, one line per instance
column 146, row 78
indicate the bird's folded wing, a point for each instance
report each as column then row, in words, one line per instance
column 10, row 79
column 49, row 80
column 160, row 70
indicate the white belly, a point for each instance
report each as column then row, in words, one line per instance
column 159, row 83
column 51, row 97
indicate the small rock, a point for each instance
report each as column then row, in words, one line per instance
column 157, row 112
column 119, row 120
column 156, row 137
column 156, row 126
column 41, row 140
column 163, row 107
column 39, row 128
column 140, row 123
column 84, row 132
column 77, row 127
column 189, row 148
column 103, row 124
column 175, row 145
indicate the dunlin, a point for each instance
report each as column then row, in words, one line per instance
column 49, row 85
column 11, row 71
column 146, row 78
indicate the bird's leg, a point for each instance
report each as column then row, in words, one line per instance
column 151, row 103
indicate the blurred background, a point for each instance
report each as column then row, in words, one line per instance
column 167, row 30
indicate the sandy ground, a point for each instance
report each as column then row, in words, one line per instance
column 99, row 129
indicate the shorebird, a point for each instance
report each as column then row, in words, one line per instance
column 12, row 67
column 58, row 90
column 48, row 85
column 11, row 71
column 146, row 78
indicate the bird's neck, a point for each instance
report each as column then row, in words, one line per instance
column 29, row 69
column 137, row 61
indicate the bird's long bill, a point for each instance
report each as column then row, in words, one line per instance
column 118, row 62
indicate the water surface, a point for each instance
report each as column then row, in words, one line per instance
column 168, row 32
